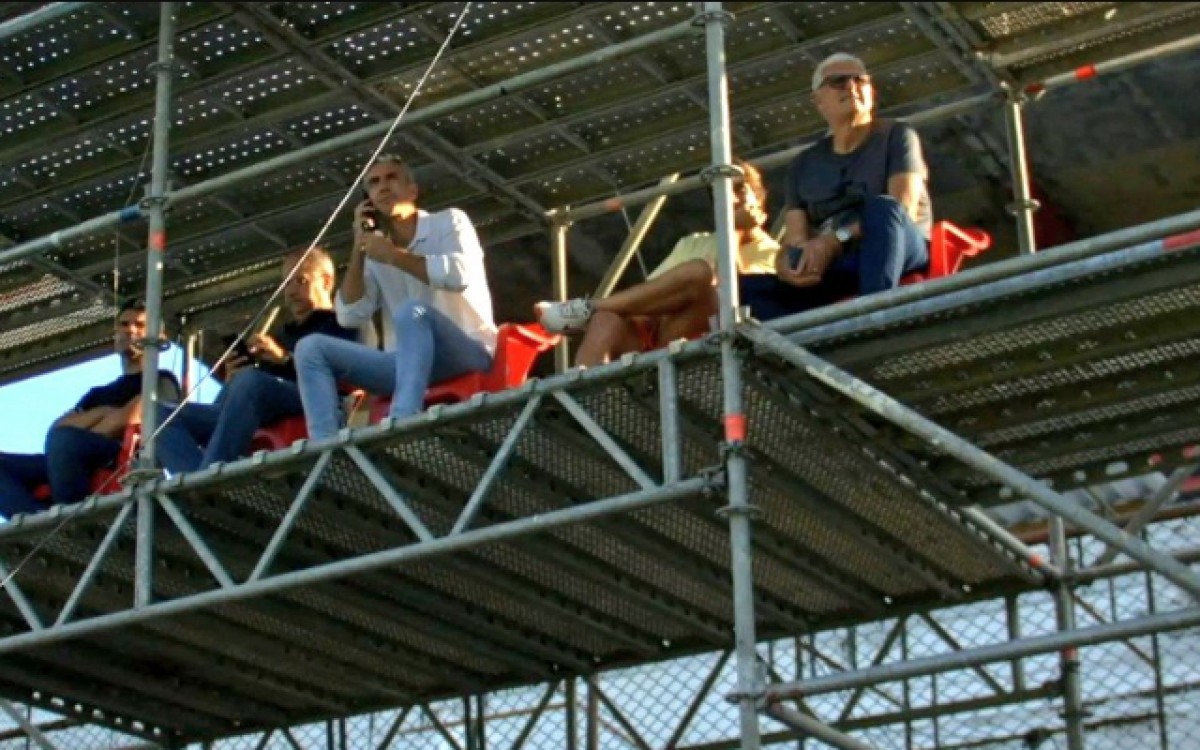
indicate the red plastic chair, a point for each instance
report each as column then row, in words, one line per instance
column 948, row 245
column 281, row 434
column 107, row 481
column 517, row 348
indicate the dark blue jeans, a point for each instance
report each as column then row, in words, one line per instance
column 891, row 246
column 72, row 454
column 249, row 401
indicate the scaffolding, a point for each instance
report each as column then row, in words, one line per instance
column 768, row 484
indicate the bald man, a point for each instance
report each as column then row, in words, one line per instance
column 259, row 389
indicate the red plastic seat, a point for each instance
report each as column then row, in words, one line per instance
column 517, row 348
column 107, row 481
column 281, row 434
column 948, row 245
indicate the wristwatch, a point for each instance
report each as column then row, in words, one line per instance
column 843, row 235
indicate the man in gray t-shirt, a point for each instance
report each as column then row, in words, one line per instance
column 857, row 213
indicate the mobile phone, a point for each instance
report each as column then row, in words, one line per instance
column 241, row 350
column 794, row 255
column 370, row 220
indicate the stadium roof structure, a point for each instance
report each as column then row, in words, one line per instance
column 258, row 85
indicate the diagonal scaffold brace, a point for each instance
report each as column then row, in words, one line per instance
column 956, row 447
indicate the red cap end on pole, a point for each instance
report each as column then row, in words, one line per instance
column 1085, row 72
column 735, row 428
column 1180, row 241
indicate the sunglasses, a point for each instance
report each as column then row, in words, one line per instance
column 842, row 82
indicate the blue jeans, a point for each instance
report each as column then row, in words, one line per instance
column 891, row 246
column 72, row 454
column 226, row 428
column 429, row 348
column 19, row 475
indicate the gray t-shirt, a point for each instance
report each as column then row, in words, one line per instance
column 830, row 187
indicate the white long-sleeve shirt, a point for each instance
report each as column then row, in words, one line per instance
column 457, row 285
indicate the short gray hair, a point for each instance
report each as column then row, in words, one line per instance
column 837, row 57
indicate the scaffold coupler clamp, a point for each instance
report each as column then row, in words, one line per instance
column 1018, row 207
column 149, row 202
column 757, row 692
column 168, row 65
column 160, row 344
column 705, row 16
column 714, row 171
column 140, row 474
column 714, row 480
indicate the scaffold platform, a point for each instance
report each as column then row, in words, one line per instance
column 577, row 524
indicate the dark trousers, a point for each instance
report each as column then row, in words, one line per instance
column 72, row 455
column 251, row 400
column 891, row 246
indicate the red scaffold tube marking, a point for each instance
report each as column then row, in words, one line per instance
column 1085, row 72
column 158, row 241
column 1179, row 241
column 1034, row 89
column 735, row 428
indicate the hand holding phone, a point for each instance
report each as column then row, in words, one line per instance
column 366, row 218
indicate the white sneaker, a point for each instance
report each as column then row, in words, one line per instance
column 571, row 316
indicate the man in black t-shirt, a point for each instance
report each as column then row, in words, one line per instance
column 259, row 389
column 89, row 436
column 857, row 212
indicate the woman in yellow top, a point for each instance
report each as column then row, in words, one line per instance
column 678, row 298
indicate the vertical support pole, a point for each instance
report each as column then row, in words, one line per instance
column 1023, row 204
column 190, row 353
column 468, row 706
column 906, row 690
column 1164, row 742
column 155, row 249
column 593, row 714
column 1064, row 607
column 571, row 725
column 1012, row 616
column 156, row 245
column 668, row 400
column 481, row 717
column 739, row 511
column 558, row 269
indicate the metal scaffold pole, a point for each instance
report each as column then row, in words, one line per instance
column 39, row 17
column 558, row 272
column 156, row 247
column 739, row 511
column 1064, row 607
column 1023, row 205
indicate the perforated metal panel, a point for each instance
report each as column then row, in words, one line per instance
column 75, row 116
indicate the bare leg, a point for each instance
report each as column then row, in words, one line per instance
column 608, row 336
column 684, row 286
column 690, row 322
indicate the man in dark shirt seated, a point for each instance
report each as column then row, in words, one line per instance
column 89, row 436
column 259, row 389
column 857, row 211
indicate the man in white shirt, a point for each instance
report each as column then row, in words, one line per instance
column 426, row 272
